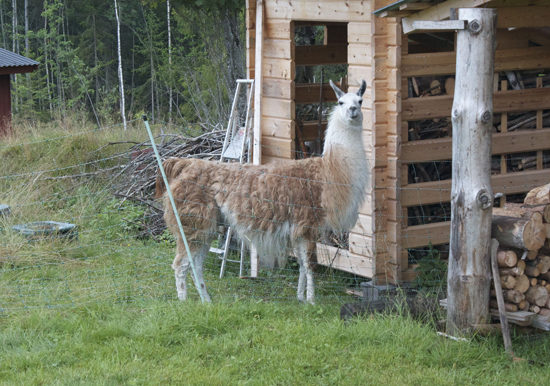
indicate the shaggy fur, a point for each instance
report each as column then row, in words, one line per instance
column 273, row 206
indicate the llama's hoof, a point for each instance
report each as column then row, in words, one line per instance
column 302, row 300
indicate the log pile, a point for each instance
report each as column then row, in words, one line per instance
column 524, row 256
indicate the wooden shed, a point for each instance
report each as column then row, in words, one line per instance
column 407, row 109
column 10, row 63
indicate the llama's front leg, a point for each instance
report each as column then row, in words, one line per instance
column 301, row 281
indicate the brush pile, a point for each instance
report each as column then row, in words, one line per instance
column 135, row 181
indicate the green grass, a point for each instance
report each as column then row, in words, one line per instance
column 101, row 310
column 247, row 342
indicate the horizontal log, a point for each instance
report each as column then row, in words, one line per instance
column 444, row 63
column 311, row 92
column 414, row 109
column 507, row 258
column 522, row 284
column 422, row 235
column 503, row 143
column 436, row 192
column 518, row 233
column 318, row 55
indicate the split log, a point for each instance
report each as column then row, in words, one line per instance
column 537, row 295
column 519, row 233
column 523, row 305
column 532, row 271
column 508, row 282
column 532, row 255
column 547, row 287
column 521, row 264
column 532, row 281
column 450, row 86
column 547, row 305
column 507, row 258
column 542, row 262
column 514, row 271
column 545, row 276
column 510, row 296
column 538, row 196
column 535, row 309
column 544, row 312
column 522, row 284
column 523, row 210
column 542, row 282
column 507, row 306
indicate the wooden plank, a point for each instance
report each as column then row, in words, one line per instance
column 422, row 235
column 438, row 25
column 415, row 6
column 278, row 108
column 359, row 55
column 362, row 245
column 414, row 109
column 278, row 68
column 436, row 192
column 310, row 93
column 441, row 11
column 277, row 147
column 258, row 90
column 396, row 14
column 278, row 127
column 314, row 10
column 278, row 48
column 359, row 33
column 444, row 63
column 523, row 17
column 310, row 130
column 357, row 73
column 503, row 143
column 317, row 55
column 279, row 29
column 278, row 88
column 345, row 261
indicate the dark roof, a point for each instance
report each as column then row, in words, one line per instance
column 11, row 59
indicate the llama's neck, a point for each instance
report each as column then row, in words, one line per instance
column 343, row 140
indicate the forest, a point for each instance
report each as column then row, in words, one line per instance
column 173, row 59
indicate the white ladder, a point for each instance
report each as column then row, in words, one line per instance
column 237, row 141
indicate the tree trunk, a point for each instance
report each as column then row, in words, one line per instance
column 120, row 77
column 46, row 64
column 95, row 63
column 4, row 44
column 469, row 274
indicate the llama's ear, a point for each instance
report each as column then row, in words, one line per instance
column 362, row 89
column 338, row 92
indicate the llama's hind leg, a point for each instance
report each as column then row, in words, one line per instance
column 199, row 251
column 306, row 280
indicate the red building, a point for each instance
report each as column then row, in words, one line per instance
column 10, row 63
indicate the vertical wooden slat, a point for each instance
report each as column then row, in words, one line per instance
column 503, row 129
column 539, row 126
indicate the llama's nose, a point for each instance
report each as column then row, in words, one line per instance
column 353, row 111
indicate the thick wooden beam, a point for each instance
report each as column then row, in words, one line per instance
column 18, row 70
column 436, row 192
column 440, row 11
column 345, row 261
column 310, row 93
column 444, row 63
column 315, row 10
column 414, row 109
column 422, row 235
column 437, row 25
column 396, row 13
column 318, row 55
column 503, row 143
column 523, row 17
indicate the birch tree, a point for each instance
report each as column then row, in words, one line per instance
column 120, row 78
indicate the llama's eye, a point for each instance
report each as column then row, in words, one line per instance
column 361, row 102
column 340, row 103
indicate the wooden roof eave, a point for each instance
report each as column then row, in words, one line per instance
column 18, row 69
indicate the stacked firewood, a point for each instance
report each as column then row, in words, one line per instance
column 524, row 255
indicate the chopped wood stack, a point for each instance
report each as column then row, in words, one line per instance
column 524, row 254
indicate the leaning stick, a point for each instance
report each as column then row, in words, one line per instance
column 500, row 299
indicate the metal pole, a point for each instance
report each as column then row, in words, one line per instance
column 169, row 191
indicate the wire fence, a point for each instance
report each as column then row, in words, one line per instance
column 79, row 222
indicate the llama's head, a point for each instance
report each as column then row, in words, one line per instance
column 348, row 109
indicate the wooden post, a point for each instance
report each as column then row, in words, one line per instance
column 469, row 275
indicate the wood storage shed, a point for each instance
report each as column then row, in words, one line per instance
column 407, row 109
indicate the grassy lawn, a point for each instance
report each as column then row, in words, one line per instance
column 246, row 342
column 101, row 310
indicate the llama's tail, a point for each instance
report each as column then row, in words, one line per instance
column 172, row 167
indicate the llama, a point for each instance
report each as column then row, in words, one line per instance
column 273, row 206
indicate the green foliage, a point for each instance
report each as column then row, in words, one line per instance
column 433, row 271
